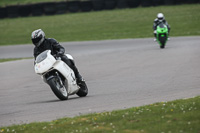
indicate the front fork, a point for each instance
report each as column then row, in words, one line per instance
column 46, row 77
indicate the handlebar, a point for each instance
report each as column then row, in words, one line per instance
column 56, row 57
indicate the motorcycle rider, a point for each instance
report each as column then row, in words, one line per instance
column 41, row 44
column 160, row 19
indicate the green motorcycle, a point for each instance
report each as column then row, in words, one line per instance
column 162, row 34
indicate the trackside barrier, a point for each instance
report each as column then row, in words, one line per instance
column 37, row 9
column 61, row 7
column 133, row 3
column 86, row 6
column 146, row 3
column 24, row 10
column 110, row 4
column 12, row 11
column 51, row 8
column 3, row 12
column 158, row 2
column 122, row 4
column 98, row 5
column 73, row 6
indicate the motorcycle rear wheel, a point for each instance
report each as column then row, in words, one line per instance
column 58, row 89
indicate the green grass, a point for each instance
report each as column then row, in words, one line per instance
column 112, row 24
column 164, row 117
column 12, row 59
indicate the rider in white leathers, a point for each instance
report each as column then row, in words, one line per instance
column 160, row 19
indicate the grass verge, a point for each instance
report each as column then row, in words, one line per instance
column 12, row 59
column 112, row 24
column 164, row 117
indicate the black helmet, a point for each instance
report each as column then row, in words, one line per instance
column 37, row 37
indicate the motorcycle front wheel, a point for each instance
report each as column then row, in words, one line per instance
column 163, row 41
column 58, row 88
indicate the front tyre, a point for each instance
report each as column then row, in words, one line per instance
column 58, row 88
column 83, row 91
column 163, row 40
column 162, row 46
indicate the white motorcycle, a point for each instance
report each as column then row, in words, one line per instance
column 59, row 76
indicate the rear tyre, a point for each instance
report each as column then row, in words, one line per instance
column 58, row 88
column 83, row 91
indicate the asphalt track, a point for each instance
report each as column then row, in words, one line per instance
column 119, row 74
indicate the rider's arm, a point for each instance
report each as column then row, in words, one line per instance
column 154, row 24
column 57, row 47
column 35, row 52
column 168, row 26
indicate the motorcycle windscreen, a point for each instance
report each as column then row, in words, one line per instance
column 44, row 62
column 41, row 57
column 161, row 25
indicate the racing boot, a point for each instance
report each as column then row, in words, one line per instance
column 79, row 79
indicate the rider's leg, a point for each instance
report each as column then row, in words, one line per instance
column 71, row 64
column 168, row 30
column 154, row 34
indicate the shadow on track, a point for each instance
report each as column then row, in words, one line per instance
column 57, row 100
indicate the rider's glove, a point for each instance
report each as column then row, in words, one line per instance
column 59, row 53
